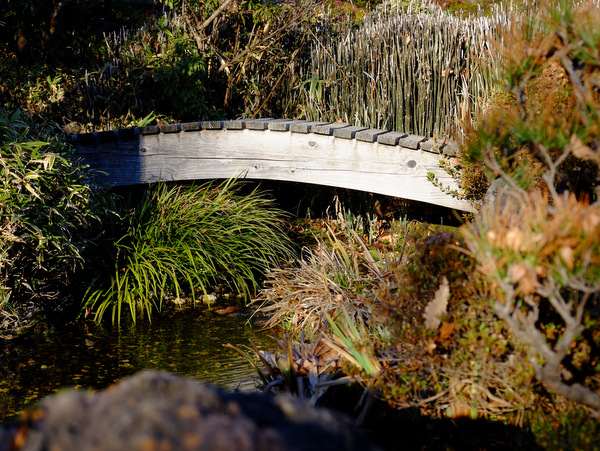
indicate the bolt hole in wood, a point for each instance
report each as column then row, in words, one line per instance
column 411, row 164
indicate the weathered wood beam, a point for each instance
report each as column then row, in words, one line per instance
column 377, row 161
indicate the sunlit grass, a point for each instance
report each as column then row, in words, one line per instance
column 183, row 240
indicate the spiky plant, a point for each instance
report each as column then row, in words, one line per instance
column 182, row 240
column 416, row 70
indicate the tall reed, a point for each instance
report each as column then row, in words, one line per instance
column 418, row 70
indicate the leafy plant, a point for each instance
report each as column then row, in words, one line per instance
column 543, row 261
column 181, row 240
column 353, row 341
column 46, row 215
column 447, row 351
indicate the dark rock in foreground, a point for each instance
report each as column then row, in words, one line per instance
column 159, row 411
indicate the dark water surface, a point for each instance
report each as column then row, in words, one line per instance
column 90, row 356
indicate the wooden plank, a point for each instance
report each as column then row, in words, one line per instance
column 149, row 130
column 258, row 124
column 212, row 125
column 347, row 132
column 256, row 154
column 391, row 138
column 370, row 135
column 411, row 141
column 234, row 125
column 281, row 125
column 328, row 129
column 170, row 128
column 191, row 126
column 304, row 126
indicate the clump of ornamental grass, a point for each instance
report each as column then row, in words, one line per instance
column 183, row 240
column 331, row 276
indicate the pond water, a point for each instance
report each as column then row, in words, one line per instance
column 91, row 356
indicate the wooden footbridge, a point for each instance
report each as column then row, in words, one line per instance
column 333, row 154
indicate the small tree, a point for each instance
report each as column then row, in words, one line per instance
column 540, row 245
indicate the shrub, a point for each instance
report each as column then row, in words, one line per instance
column 550, row 113
column 539, row 245
column 544, row 264
column 46, row 215
column 181, row 240
column 448, row 352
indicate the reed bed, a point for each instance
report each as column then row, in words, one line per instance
column 419, row 71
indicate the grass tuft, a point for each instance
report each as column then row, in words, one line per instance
column 183, row 240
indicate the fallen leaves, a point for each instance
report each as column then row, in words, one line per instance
column 437, row 306
column 525, row 278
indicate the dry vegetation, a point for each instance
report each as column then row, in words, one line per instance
column 501, row 316
column 491, row 320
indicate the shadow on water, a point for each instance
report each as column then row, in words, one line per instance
column 91, row 356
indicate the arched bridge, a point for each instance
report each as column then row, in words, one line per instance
column 334, row 154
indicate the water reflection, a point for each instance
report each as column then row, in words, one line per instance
column 189, row 342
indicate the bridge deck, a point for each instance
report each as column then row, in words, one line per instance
column 333, row 154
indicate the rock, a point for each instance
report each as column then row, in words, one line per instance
column 155, row 410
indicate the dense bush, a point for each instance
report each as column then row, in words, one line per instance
column 197, row 61
column 539, row 244
column 46, row 216
column 549, row 113
column 448, row 351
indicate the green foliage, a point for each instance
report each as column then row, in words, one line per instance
column 193, row 63
column 182, row 240
column 564, row 426
column 351, row 339
column 45, row 211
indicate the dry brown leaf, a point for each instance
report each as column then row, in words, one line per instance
column 590, row 222
column 446, row 330
column 430, row 346
column 525, row 277
column 568, row 256
column 437, row 306
column 581, row 151
column 514, row 239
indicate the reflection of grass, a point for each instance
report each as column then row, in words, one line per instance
column 184, row 239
